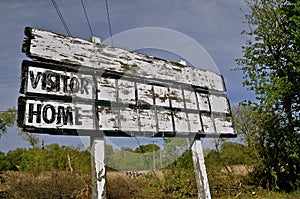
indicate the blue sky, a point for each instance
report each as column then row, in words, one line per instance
column 215, row 24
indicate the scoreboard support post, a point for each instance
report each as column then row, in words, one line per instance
column 99, row 170
column 98, row 167
column 200, row 170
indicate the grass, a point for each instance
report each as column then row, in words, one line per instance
column 160, row 184
column 264, row 194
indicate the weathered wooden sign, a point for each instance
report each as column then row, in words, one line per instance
column 78, row 85
column 40, row 79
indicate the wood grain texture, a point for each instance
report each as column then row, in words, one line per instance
column 76, row 52
column 200, row 171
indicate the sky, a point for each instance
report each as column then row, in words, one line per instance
column 215, row 24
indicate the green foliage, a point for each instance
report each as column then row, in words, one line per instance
column 146, row 157
column 14, row 158
column 175, row 181
column 147, row 148
column 50, row 171
column 181, row 183
column 185, row 160
column 271, row 67
column 173, row 149
column 228, row 167
column 3, row 162
column 48, row 158
column 237, row 154
column 180, row 177
column 7, row 119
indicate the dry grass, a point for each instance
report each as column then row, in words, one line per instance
column 54, row 184
column 128, row 185
column 149, row 185
column 241, row 170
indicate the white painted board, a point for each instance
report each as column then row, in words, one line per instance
column 46, row 81
column 46, row 45
column 53, row 114
column 57, row 114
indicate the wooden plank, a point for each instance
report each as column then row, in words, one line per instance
column 98, row 168
column 200, row 170
column 44, row 45
column 42, row 79
column 55, row 114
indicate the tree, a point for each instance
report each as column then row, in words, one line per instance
column 15, row 158
column 147, row 148
column 3, row 162
column 7, row 119
column 33, row 139
column 271, row 68
column 247, row 124
column 173, row 149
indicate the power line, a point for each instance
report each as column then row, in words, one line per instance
column 86, row 17
column 61, row 17
column 109, row 23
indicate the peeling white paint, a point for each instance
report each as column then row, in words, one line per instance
column 132, row 103
column 79, row 52
column 126, row 92
column 190, row 99
column 98, row 164
column 164, row 121
column 147, row 120
column 145, row 94
column 107, row 118
column 176, row 98
column 59, row 83
column 224, row 125
column 219, row 104
column 161, row 96
column 129, row 119
column 48, row 115
column 181, row 122
column 203, row 102
column 208, row 125
column 107, row 89
column 200, row 170
column 195, row 124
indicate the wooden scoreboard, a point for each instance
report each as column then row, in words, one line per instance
column 76, row 87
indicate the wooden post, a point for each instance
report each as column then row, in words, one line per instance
column 98, row 168
column 200, row 170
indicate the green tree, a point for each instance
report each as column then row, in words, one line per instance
column 271, row 67
column 233, row 153
column 7, row 119
column 15, row 158
column 247, row 124
column 31, row 138
column 173, row 149
column 78, row 161
column 147, row 148
column 3, row 162
column 56, row 157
